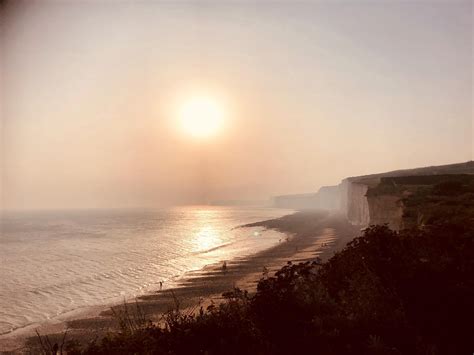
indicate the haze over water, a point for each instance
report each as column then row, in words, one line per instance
column 311, row 92
column 54, row 262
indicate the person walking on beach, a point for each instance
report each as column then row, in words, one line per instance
column 224, row 267
column 161, row 285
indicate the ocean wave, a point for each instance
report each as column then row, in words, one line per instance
column 51, row 265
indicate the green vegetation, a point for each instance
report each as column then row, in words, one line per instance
column 449, row 200
column 445, row 184
column 386, row 293
column 428, row 199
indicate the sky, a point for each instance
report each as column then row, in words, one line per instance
column 312, row 92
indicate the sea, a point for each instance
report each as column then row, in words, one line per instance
column 54, row 262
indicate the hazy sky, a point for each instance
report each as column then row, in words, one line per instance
column 313, row 92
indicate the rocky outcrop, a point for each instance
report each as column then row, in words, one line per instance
column 379, row 198
column 414, row 201
column 353, row 201
column 386, row 209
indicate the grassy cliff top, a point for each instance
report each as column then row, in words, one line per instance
column 450, row 169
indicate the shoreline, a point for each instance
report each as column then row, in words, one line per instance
column 309, row 234
column 56, row 323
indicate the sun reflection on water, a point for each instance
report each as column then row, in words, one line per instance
column 207, row 231
column 206, row 238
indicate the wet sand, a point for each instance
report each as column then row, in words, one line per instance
column 309, row 234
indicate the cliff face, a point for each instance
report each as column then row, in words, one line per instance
column 382, row 198
column 413, row 201
column 328, row 198
column 386, row 209
column 357, row 207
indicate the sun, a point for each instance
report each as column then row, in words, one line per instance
column 201, row 116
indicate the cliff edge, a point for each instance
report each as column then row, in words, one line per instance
column 403, row 198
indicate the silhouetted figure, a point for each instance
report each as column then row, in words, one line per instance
column 161, row 285
column 224, row 267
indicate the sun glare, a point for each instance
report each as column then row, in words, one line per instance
column 201, row 116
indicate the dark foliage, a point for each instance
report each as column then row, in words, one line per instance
column 448, row 201
column 385, row 293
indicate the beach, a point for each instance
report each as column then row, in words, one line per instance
column 307, row 235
